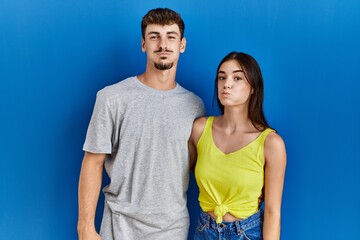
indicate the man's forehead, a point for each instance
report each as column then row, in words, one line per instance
column 162, row 28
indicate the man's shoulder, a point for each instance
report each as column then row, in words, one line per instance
column 189, row 93
column 116, row 88
column 119, row 85
column 193, row 102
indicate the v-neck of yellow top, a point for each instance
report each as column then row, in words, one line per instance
column 233, row 152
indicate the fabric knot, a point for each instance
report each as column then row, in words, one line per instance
column 220, row 211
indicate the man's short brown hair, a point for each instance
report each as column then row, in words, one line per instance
column 162, row 16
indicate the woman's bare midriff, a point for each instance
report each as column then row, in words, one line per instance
column 226, row 218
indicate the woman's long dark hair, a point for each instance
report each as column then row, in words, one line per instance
column 254, row 77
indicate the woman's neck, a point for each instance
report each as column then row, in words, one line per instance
column 235, row 120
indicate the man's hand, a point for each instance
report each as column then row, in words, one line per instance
column 88, row 235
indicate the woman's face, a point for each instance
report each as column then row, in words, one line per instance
column 233, row 87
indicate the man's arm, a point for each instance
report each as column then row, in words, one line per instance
column 89, row 189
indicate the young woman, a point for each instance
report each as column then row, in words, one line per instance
column 239, row 158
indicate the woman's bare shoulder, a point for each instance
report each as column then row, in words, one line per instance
column 198, row 128
column 200, row 122
column 275, row 148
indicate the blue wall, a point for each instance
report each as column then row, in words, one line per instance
column 55, row 55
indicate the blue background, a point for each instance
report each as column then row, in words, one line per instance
column 55, row 56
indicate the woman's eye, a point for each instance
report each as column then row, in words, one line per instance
column 221, row 78
column 237, row 78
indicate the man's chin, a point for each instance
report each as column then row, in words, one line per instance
column 163, row 66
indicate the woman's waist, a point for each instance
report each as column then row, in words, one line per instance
column 230, row 212
column 228, row 217
column 206, row 219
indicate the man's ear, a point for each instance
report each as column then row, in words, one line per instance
column 143, row 45
column 183, row 45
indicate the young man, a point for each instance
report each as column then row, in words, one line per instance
column 139, row 130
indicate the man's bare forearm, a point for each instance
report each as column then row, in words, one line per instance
column 89, row 189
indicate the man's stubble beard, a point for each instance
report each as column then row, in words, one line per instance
column 163, row 66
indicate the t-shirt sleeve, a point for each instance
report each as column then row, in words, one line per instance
column 201, row 108
column 100, row 130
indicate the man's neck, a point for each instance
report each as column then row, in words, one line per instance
column 158, row 79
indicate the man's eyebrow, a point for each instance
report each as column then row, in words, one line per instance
column 172, row 32
column 168, row 33
column 153, row 32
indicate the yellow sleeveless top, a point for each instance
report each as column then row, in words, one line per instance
column 230, row 182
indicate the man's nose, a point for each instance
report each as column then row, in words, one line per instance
column 163, row 43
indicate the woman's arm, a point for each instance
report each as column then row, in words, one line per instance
column 196, row 132
column 275, row 164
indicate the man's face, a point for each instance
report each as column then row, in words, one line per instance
column 163, row 45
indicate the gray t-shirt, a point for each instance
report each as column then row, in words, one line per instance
column 144, row 131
